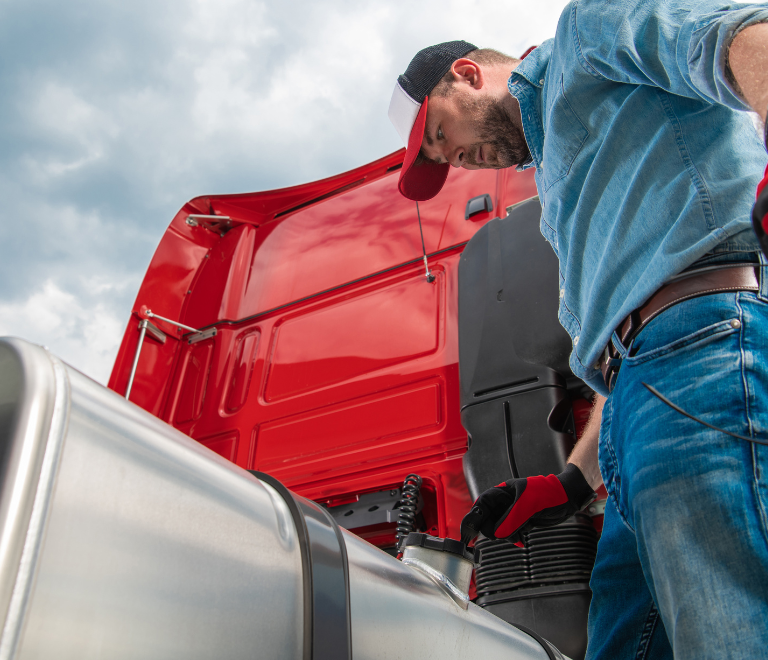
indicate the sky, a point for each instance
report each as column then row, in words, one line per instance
column 113, row 114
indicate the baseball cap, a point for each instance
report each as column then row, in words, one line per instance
column 408, row 113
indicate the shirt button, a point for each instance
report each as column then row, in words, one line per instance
column 735, row 324
column 562, row 293
column 576, row 340
column 541, row 82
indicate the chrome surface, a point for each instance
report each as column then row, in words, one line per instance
column 219, row 224
column 441, row 579
column 154, row 547
column 397, row 611
column 33, row 406
column 139, row 345
column 455, row 568
column 428, row 274
column 152, row 315
column 213, row 218
column 154, row 332
column 450, row 571
column 123, row 538
column 198, row 335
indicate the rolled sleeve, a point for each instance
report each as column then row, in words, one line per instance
column 677, row 45
column 708, row 52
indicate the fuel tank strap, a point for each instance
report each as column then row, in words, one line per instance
column 551, row 651
column 327, row 626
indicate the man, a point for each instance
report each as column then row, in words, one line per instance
column 647, row 162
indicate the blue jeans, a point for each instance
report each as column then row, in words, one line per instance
column 682, row 565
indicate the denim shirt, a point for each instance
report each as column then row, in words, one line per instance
column 645, row 157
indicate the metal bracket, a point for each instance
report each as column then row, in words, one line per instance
column 219, row 224
column 327, row 622
column 200, row 335
column 154, row 331
column 196, row 336
column 146, row 327
column 370, row 509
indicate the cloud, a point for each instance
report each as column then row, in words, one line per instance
column 114, row 114
column 60, row 115
column 86, row 333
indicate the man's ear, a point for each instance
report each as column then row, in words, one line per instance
column 468, row 72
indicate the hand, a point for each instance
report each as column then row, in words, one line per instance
column 516, row 506
column 760, row 211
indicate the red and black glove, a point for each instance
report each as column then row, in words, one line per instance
column 760, row 213
column 517, row 505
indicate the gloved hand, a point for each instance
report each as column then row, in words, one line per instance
column 760, row 212
column 517, row 505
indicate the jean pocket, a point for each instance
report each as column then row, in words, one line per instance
column 696, row 339
column 570, row 133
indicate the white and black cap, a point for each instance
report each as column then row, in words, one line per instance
column 408, row 112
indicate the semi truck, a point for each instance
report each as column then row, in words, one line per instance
column 313, row 382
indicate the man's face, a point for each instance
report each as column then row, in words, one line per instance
column 472, row 130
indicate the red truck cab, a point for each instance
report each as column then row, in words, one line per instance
column 317, row 350
column 335, row 363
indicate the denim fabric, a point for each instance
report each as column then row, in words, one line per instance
column 624, row 621
column 645, row 159
column 684, row 551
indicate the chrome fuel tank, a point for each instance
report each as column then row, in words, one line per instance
column 122, row 538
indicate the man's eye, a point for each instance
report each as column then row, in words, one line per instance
column 440, row 135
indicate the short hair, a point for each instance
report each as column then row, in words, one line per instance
column 483, row 56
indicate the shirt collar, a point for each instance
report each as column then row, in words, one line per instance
column 534, row 67
column 525, row 84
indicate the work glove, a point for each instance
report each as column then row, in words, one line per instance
column 515, row 506
column 760, row 214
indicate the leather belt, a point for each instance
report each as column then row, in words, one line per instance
column 684, row 287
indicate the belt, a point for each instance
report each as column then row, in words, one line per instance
column 684, row 287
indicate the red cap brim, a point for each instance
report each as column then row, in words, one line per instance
column 423, row 181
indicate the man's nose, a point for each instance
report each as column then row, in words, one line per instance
column 457, row 158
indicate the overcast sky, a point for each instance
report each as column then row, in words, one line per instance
column 114, row 114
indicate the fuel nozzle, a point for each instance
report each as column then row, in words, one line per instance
column 446, row 561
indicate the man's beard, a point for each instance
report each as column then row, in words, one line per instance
column 502, row 134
